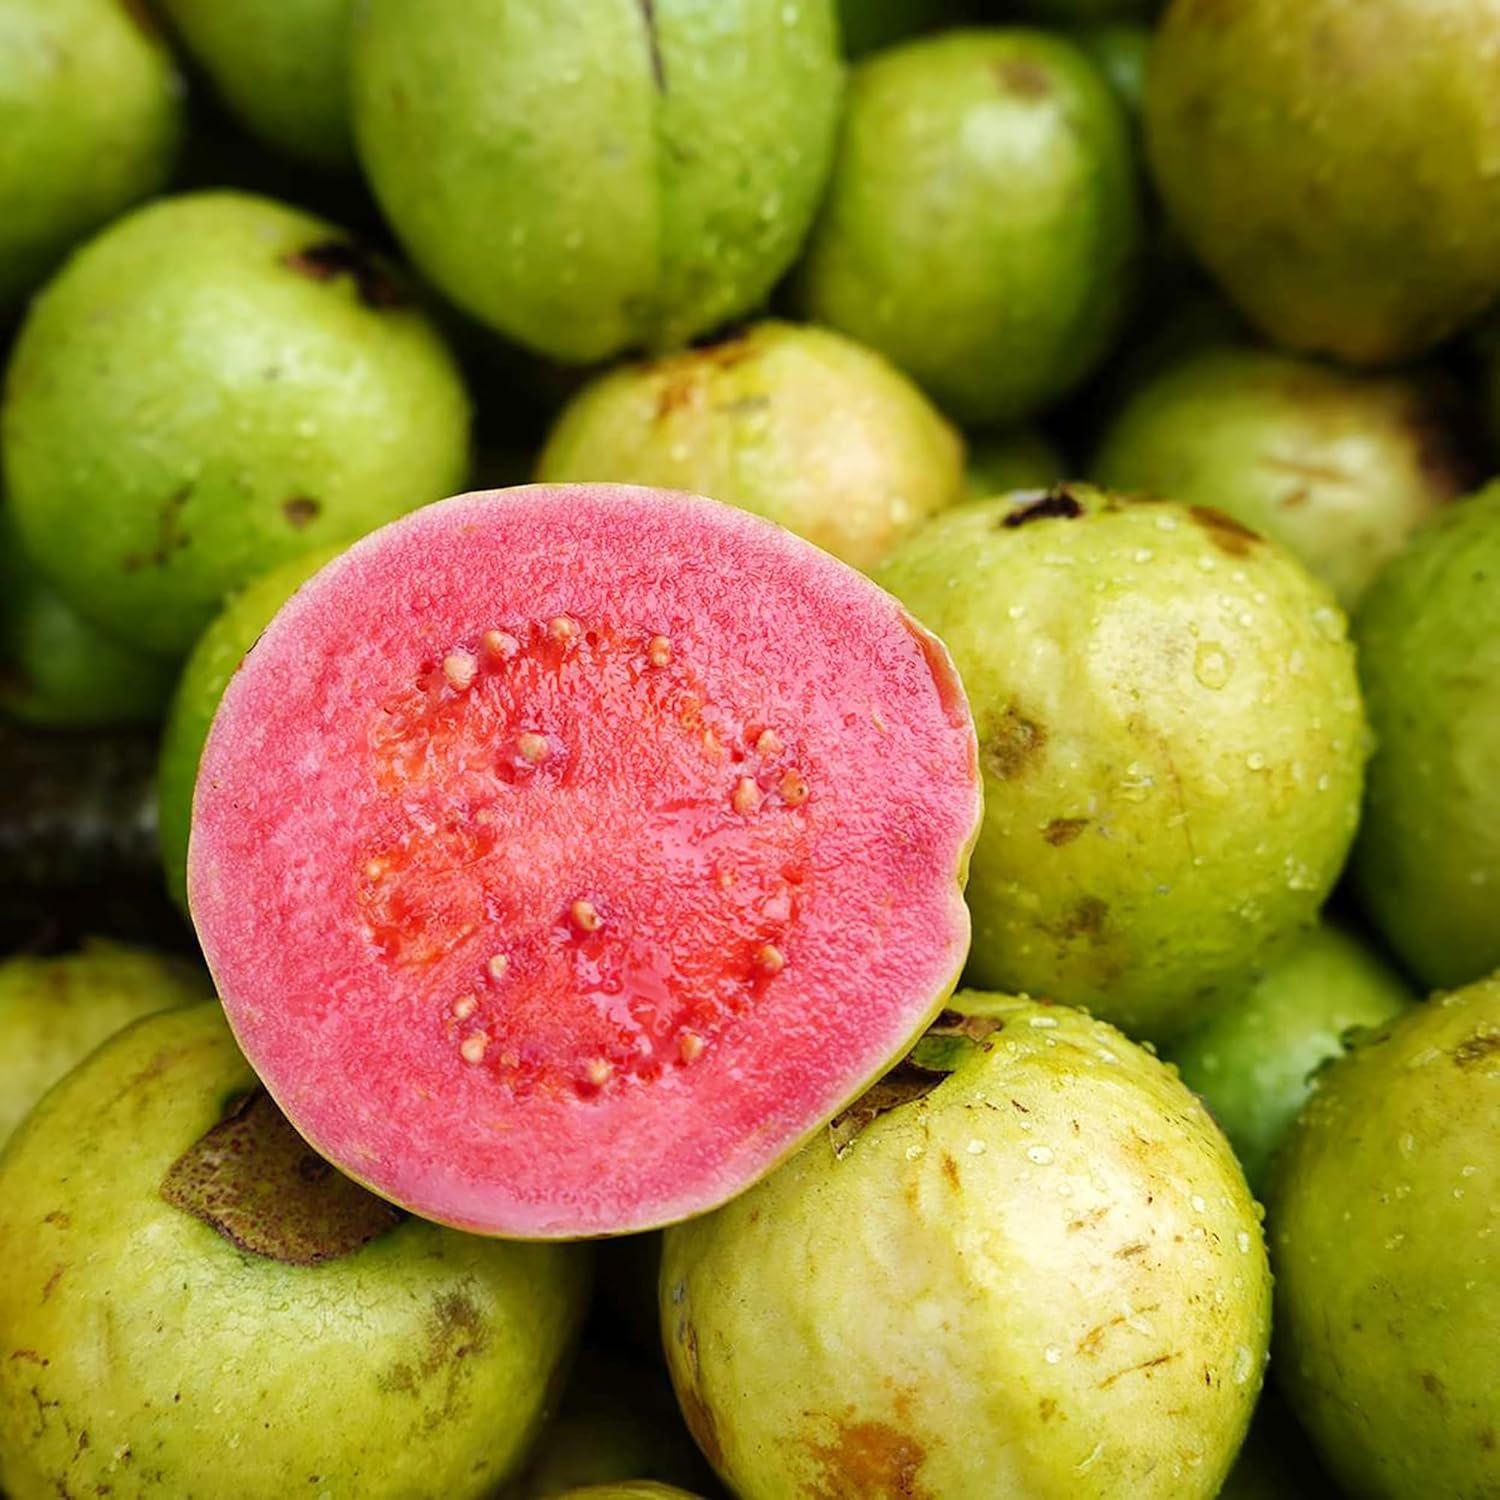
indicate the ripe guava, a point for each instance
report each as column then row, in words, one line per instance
column 983, row 221
column 1254, row 1061
column 1384, row 1208
column 283, row 68
column 799, row 425
column 1018, row 459
column 598, row 176
column 1341, row 468
column 90, row 120
column 1428, row 858
column 611, row 838
column 1025, row 1263
column 194, row 1304
column 1171, row 739
column 55, row 1011
column 214, row 384
column 1335, row 165
column 214, row 660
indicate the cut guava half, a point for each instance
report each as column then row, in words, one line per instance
column 565, row 855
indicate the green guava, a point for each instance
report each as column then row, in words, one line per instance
column 799, row 425
column 1119, row 49
column 599, row 176
column 91, row 114
column 56, row 670
column 282, row 68
column 214, row 384
column 214, row 660
column 1339, row 467
column 983, row 221
column 645, row 1490
column 1171, row 739
column 1335, row 165
column 1025, row 1263
column 1384, row 1207
column 868, row 25
column 1254, row 1062
column 55, row 1011
column 191, row 1293
column 1428, row 858
column 1017, row 459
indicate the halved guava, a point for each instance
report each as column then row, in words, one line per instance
column 565, row 855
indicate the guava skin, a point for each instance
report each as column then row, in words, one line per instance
column 797, row 424
column 145, row 1352
column 602, row 176
column 868, row 25
column 644, row 1491
column 1384, row 1206
column 983, row 222
column 1254, row 1062
column 214, row 660
column 1333, row 164
column 55, row 1011
column 91, row 117
column 1428, row 857
column 1341, row 468
column 283, row 69
column 215, row 384
column 1042, row 1276
column 1171, row 738
column 1017, row 459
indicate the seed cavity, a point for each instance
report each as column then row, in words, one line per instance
column 659, row 651
column 746, row 797
column 472, row 1048
column 460, row 668
column 585, row 916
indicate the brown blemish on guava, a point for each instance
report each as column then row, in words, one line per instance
column 1145, row 1367
column 950, row 1171
column 901, row 1086
column 1062, row 831
column 455, row 1330
column 141, row 14
column 31, row 1357
column 1094, row 1216
column 1433, row 1385
column 60, row 1219
column 1477, row 1048
column 329, row 259
column 695, row 1412
column 869, row 1461
column 653, row 42
column 1010, row 743
column 975, row 1028
column 255, row 1180
column 1487, row 1439
column 1026, row 80
column 1125, row 1252
column 51, row 1283
column 1087, row 919
column 1227, row 534
column 1046, row 1408
column 170, row 537
column 1056, row 504
column 300, row 511
column 1304, row 470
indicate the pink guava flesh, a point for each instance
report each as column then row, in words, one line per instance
column 564, row 855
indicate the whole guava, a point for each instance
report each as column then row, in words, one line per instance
column 1335, row 165
column 1384, row 1209
column 192, row 1299
column 1427, row 863
column 55, row 1011
column 1025, row 1263
column 1254, row 1061
column 1171, row 739
column 91, row 115
column 797, row 424
column 598, row 176
column 983, row 221
column 1339, row 467
column 216, row 383
column 1019, row 458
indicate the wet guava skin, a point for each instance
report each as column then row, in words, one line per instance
column 1428, row 858
column 1044, row 1278
column 982, row 222
column 797, row 424
column 1171, row 739
column 1253, row 1063
column 605, row 175
column 1384, row 1207
column 55, row 1011
column 91, row 116
column 146, row 1354
column 216, row 383
column 1333, row 164
column 1017, row 459
column 1340, row 468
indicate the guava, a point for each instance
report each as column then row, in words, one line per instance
column 214, row 384
column 91, row 115
column 1025, row 1263
column 611, row 839
column 599, row 176
column 1119, row 50
column 1339, row 467
column 55, row 1011
column 1254, row 1062
column 868, row 25
column 1428, row 859
column 982, row 224
column 283, row 69
column 1171, row 738
column 1018, row 459
column 799, row 425
column 214, row 660
column 1383, row 1208
column 190, row 1294
column 1336, row 166
column 645, row 1490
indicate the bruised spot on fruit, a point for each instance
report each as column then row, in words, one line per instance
column 866, row 1460
column 1480, row 1047
column 1046, row 1408
column 1433, row 1385
column 1026, row 80
column 1227, row 534
column 1487, row 1439
column 653, row 43
column 1144, row 1367
column 170, row 537
column 1062, row 831
column 695, row 1412
column 255, row 1180
column 950, row 1171
column 1086, row 919
column 903, row 1085
column 1009, row 744
column 330, row 259
column 300, row 511
column 1056, row 504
